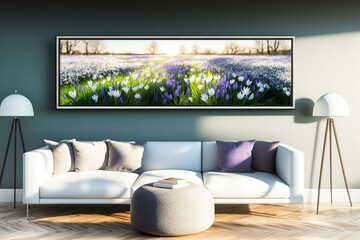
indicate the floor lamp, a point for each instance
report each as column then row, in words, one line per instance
column 331, row 105
column 15, row 105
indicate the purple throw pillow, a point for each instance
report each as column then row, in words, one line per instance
column 235, row 156
column 264, row 154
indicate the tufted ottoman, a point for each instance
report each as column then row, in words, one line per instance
column 172, row 212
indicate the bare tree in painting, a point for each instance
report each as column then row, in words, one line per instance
column 232, row 48
column 70, row 45
column 152, row 48
column 208, row 51
column 195, row 49
column 260, row 46
column 182, row 50
column 96, row 46
column 273, row 46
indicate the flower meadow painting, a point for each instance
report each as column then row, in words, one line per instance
column 174, row 72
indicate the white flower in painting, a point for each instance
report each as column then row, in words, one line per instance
column 124, row 82
column 192, row 78
column 285, row 89
column 200, row 86
column 287, row 93
column 93, row 88
column 162, row 89
column 146, row 87
column 110, row 93
column 89, row 83
column 190, row 99
column 204, row 97
column 95, row 98
column 116, row 94
column 241, row 78
column 251, row 97
column 135, row 76
column 103, row 82
column 261, row 89
column 72, row 94
column 248, row 82
column 211, row 92
column 208, row 79
column 245, row 91
column 217, row 77
column 110, row 88
column 233, row 75
column 137, row 96
column 153, row 80
column 108, row 78
column 94, row 77
column 135, row 88
column 240, row 95
column 141, row 86
column 232, row 81
column 126, row 89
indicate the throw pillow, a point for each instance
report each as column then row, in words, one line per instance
column 63, row 155
column 125, row 157
column 264, row 154
column 235, row 156
column 90, row 155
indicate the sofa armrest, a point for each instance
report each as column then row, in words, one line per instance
column 37, row 169
column 289, row 166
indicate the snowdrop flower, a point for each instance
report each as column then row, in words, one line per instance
column 261, row 89
column 94, row 77
column 245, row 91
column 285, row 89
column 141, row 86
column 93, row 88
column 204, row 97
column 232, row 81
column 110, row 93
column 287, row 93
column 234, row 75
column 208, row 79
column 200, row 86
column 116, row 93
column 240, row 95
column 162, row 89
column 190, row 99
column 241, row 78
column 126, row 89
column 146, row 87
column 72, row 94
column 251, row 96
column 153, row 80
column 95, row 98
column 135, row 88
column 211, row 92
column 110, row 88
column 192, row 78
column 248, row 82
column 108, row 78
column 89, row 83
column 137, row 96
column 124, row 82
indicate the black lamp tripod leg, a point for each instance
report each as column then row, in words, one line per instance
column 7, row 151
column 21, row 136
column 15, row 133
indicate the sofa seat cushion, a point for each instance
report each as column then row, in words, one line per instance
column 95, row 184
column 245, row 185
column 156, row 175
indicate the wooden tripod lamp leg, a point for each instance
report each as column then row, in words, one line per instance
column 341, row 162
column 322, row 164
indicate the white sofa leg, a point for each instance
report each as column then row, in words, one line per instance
column 27, row 211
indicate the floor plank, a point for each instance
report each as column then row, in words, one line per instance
column 284, row 221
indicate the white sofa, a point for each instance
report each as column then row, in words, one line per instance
column 194, row 161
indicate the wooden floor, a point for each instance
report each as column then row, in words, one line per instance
column 337, row 221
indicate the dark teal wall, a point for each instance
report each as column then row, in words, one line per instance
column 27, row 57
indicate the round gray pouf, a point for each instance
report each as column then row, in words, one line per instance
column 172, row 212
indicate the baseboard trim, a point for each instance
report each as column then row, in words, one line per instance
column 7, row 195
column 339, row 195
column 310, row 195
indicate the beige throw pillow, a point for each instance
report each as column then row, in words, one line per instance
column 90, row 155
column 125, row 157
column 63, row 155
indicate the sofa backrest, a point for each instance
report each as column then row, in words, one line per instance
column 209, row 156
column 172, row 155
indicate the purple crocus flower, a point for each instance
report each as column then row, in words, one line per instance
column 102, row 93
column 218, row 93
column 177, row 91
column 227, row 97
column 188, row 91
column 168, row 83
column 168, row 96
column 159, row 74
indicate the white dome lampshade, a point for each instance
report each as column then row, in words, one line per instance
column 16, row 105
column 331, row 105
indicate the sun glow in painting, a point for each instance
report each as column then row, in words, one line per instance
column 174, row 72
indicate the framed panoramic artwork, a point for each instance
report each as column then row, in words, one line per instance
column 174, row 72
